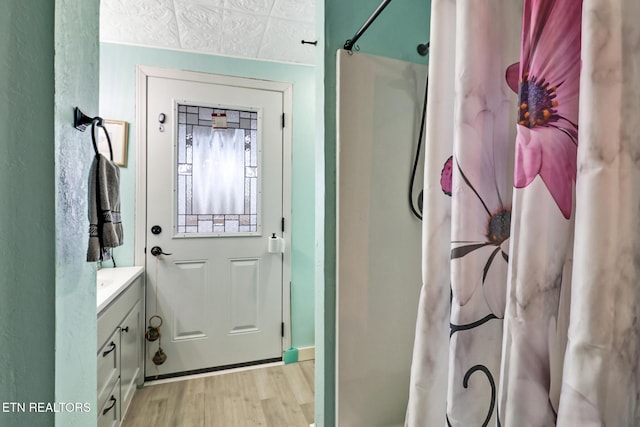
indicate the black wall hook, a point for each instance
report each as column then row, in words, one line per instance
column 315, row 43
column 81, row 120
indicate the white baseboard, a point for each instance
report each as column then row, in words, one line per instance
column 306, row 353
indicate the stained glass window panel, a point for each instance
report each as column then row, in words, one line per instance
column 217, row 171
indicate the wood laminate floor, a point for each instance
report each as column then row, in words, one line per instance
column 276, row 396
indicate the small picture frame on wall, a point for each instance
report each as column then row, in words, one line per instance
column 118, row 133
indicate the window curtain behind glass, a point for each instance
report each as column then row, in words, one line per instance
column 218, row 171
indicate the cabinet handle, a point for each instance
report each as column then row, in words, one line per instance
column 113, row 347
column 105, row 410
column 125, row 329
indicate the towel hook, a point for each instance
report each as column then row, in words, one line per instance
column 81, row 121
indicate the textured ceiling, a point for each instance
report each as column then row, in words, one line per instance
column 257, row 29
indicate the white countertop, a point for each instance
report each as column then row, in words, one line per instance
column 111, row 282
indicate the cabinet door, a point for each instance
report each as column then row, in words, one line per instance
column 130, row 356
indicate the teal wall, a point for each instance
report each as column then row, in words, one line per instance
column 27, row 241
column 47, row 291
column 76, row 84
column 395, row 34
column 117, row 102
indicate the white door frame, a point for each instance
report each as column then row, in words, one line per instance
column 144, row 72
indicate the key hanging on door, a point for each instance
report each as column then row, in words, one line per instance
column 153, row 331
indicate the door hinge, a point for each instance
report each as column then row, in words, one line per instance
column 282, row 329
column 282, row 225
column 283, row 121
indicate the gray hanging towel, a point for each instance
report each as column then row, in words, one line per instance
column 105, row 226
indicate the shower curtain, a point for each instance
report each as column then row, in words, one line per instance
column 529, row 313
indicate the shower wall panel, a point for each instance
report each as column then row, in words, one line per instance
column 378, row 255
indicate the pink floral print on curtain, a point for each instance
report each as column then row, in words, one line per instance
column 539, row 279
column 549, row 83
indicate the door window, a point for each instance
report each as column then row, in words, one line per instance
column 218, row 160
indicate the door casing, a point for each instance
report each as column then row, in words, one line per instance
column 143, row 72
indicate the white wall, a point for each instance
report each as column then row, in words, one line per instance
column 378, row 239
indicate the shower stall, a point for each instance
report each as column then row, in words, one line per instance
column 379, row 106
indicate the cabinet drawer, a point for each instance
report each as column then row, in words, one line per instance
column 108, row 366
column 109, row 415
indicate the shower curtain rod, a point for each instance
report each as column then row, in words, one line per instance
column 348, row 45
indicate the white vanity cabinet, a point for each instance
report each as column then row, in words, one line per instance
column 120, row 342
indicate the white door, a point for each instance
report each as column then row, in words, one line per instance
column 214, row 199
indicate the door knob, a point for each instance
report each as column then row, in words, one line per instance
column 157, row 251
